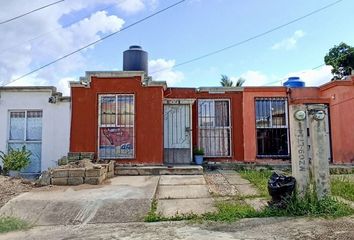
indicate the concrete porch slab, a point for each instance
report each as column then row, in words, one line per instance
column 121, row 199
column 182, row 180
column 182, row 191
column 158, row 170
column 178, row 207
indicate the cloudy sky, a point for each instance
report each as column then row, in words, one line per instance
column 190, row 30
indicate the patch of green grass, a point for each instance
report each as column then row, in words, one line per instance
column 8, row 224
column 308, row 206
column 343, row 187
column 259, row 179
column 152, row 215
column 230, row 211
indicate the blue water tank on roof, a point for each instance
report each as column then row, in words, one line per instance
column 135, row 59
column 294, row 82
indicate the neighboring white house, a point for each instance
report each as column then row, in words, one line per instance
column 39, row 118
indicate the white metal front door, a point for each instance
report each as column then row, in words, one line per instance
column 177, row 134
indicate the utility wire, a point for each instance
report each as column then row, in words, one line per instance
column 55, row 29
column 34, row 10
column 97, row 41
column 253, row 37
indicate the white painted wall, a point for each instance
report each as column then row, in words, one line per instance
column 55, row 122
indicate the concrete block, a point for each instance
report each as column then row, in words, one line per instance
column 87, row 155
column 111, row 166
column 75, row 180
column 60, row 181
column 148, row 171
column 126, row 172
column 77, row 172
column 94, row 180
column 60, row 173
column 94, row 172
column 110, row 174
column 73, row 156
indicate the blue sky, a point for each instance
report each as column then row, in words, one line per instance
column 189, row 30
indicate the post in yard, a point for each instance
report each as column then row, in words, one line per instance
column 299, row 147
column 310, row 148
column 320, row 148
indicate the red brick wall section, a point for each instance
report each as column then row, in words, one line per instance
column 236, row 117
column 148, row 117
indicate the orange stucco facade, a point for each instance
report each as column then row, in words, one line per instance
column 149, row 100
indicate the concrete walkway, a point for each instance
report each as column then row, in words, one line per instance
column 181, row 195
column 121, row 199
column 225, row 184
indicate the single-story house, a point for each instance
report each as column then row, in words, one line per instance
column 127, row 117
column 38, row 118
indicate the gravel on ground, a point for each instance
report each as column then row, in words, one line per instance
column 11, row 187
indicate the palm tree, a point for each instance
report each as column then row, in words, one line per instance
column 226, row 81
column 240, row 82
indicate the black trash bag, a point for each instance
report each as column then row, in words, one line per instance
column 280, row 187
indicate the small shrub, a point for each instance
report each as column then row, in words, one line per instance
column 310, row 205
column 198, row 151
column 8, row 224
column 16, row 159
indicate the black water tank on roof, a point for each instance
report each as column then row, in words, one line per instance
column 135, row 59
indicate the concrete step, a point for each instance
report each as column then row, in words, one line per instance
column 158, row 170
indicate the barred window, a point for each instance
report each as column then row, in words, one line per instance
column 116, row 126
column 214, row 127
column 272, row 127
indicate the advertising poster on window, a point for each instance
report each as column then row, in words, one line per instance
column 116, row 142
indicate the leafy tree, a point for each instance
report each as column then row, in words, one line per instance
column 227, row 82
column 341, row 58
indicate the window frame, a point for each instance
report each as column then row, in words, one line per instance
column 271, row 126
column 24, row 140
column 100, row 125
column 214, row 127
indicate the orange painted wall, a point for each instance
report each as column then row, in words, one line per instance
column 341, row 95
column 249, row 116
column 148, row 118
column 236, row 117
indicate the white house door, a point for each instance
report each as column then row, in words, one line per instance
column 177, row 134
column 25, row 129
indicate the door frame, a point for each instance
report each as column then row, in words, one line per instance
column 181, row 101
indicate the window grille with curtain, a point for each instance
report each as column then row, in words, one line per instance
column 116, row 126
column 25, row 129
column 272, row 127
column 214, row 127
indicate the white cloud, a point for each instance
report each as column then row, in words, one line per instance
column 162, row 69
column 28, row 55
column 63, row 85
column 290, row 42
column 253, row 78
column 314, row 77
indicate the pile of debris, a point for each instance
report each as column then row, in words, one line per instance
column 78, row 172
column 11, row 187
